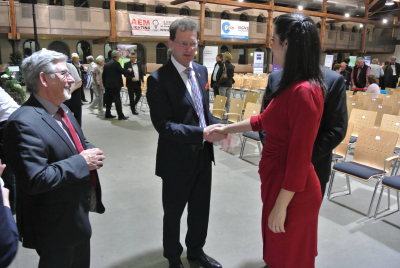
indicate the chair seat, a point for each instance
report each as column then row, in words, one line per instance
column 357, row 170
column 252, row 135
column 353, row 139
column 220, row 121
column 392, row 182
column 336, row 156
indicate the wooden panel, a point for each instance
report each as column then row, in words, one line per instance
column 381, row 110
column 367, row 101
column 252, row 109
column 342, row 148
column 391, row 123
column 353, row 105
column 352, row 98
column 235, row 110
column 251, row 97
column 362, row 118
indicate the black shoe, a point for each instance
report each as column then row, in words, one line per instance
column 110, row 116
column 177, row 264
column 123, row 118
column 135, row 113
column 206, row 261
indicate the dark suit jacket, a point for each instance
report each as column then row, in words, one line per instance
column 397, row 65
column 174, row 116
column 347, row 77
column 53, row 182
column 112, row 74
column 129, row 82
column 8, row 235
column 349, row 69
column 388, row 76
column 230, row 69
column 221, row 67
column 333, row 127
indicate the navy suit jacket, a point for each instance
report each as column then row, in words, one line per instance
column 174, row 116
column 52, row 178
column 333, row 127
column 8, row 235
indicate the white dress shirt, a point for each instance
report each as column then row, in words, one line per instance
column 7, row 105
column 136, row 72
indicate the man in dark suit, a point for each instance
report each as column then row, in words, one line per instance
column 346, row 75
column 55, row 167
column 333, row 127
column 216, row 74
column 178, row 97
column 395, row 72
column 348, row 68
column 134, row 81
column 112, row 81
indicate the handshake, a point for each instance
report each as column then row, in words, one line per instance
column 214, row 133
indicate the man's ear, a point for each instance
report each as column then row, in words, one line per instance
column 43, row 79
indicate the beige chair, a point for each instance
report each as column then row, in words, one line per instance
column 353, row 105
column 252, row 109
column 352, row 98
column 340, row 152
column 255, row 85
column 219, row 107
column 359, row 93
column 381, row 110
column 391, row 123
column 361, row 118
column 251, row 97
column 235, row 113
column 394, row 103
column 348, row 93
column 371, row 100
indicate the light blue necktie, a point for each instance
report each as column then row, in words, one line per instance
column 196, row 96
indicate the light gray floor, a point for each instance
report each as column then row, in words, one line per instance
column 129, row 234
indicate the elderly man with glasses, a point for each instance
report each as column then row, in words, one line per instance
column 54, row 165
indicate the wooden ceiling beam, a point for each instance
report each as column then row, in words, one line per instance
column 177, row 2
column 241, row 9
column 376, row 11
column 372, row 4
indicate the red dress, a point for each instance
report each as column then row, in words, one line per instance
column 291, row 122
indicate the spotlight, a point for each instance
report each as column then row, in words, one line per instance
column 347, row 15
column 300, row 7
column 384, row 21
column 389, row 3
column 240, row 1
column 361, row 25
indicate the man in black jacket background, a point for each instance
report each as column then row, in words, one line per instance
column 216, row 74
column 134, row 81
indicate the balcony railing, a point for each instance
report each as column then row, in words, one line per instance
column 4, row 18
column 63, row 20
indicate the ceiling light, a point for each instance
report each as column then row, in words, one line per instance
column 300, row 7
column 361, row 25
column 384, row 20
column 389, row 3
column 240, row 0
column 347, row 15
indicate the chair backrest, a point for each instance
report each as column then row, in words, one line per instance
column 381, row 110
column 348, row 93
column 387, row 97
column 391, row 123
column 261, row 98
column 374, row 146
column 252, row 109
column 341, row 149
column 353, row 105
column 362, row 118
column 352, row 97
column 392, row 90
column 124, row 82
column 219, row 106
column 394, row 103
column 238, row 82
column 251, row 97
column 359, row 93
column 255, row 85
column 246, row 83
column 236, row 108
column 264, row 83
column 373, row 100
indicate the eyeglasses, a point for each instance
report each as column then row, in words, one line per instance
column 185, row 44
column 64, row 73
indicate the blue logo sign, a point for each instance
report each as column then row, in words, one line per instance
column 258, row 56
column 225, row 27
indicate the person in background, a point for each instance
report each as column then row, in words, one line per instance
column 359, row 75
column 387, row 75
column 75, row 103
column 348, row 68
column 346, row 75
column 216, row 74
column 395, row 72
column 373, row 86
column 225, row 88
column 8, row 229
column 134, row 81
column 90, row 68
column 376, row 70
column 98, row 87
column 79, row 67
column 337, row 68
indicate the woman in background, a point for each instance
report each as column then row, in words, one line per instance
column 373, row 86
column 97, row 85
column 225, row 88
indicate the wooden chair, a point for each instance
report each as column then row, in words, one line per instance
column 124, row 91
column 235, row 113
column 361, row 118
column 396, row 93
column 372, row 159
column 348, row 93
column 384, row 96
column 381, row 110
column 391, row 123
column 263, row 83
column 390, row 183
column 340, row 152
column 219, row 107
column 352, row 98
column 353, row 105
column 367, row 101
column 261, row 99
column 394, row 103
column 237, row 86
column 359, row 93
column 392, row 90
column 255, row 85
column 251, row 97
column 252, row 109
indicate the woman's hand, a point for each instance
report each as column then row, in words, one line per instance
column 217, row 128
column 276, row 219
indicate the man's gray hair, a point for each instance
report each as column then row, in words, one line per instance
column 90, row 58
column 184, row 24
column 41, row 61
column 360, row 59
column 393, row 57
column 99, row 59
column 114, row 54
column 375, row 61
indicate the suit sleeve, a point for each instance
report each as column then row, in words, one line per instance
column 8, row 235
column 104, row 76
column 129, row 75
column 335, row 120
column 121, row 70
column 161, row 113
column 28, row 156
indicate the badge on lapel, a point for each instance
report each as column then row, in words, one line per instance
column 199, row 74
column 207, row 86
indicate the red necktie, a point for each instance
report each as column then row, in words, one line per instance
column 76, row 140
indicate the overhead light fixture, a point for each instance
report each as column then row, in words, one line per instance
column 300, row 7
column 361, row 25
column 384, row 21
column 240, row 0
column 347, row 15
column 389, row 3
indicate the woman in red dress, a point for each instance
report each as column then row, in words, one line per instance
column 290, row 189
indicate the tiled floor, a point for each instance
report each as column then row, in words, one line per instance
column 129, row 233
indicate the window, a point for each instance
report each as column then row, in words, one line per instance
column 244, row 17
column 207, row 23
column 260, row 24
column 83, row 49
column 60, row 47
column 342, row 30
column 136, row 7
column 161, row 53
column 30, row 47
column 242, row 56
column 56, row 2
column 161, row 9
column 319, row 25
column 81, row 3
column 184, row 11
column 106, row 4
column 224, row 49
column 353, row 33
column 225, row 15
column 56, row 12
column 82, row 14
column 331, row 28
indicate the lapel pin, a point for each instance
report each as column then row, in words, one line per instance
column 199, row 74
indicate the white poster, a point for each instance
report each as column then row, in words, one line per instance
column 209, row 55
column 328, row 62
column 258, row 66
column 150, row 25
column 234, row 29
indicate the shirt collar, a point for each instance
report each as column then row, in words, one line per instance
column 50, row 107
column 179, row 67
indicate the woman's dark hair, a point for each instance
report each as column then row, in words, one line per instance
column 302, row 59
column 371, row 79
column 337, row 66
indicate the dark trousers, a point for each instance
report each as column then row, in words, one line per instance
column 135, row 92
column 195, row 191
column 393, row 81
column 75, row 105
column 68, row 257
column 216, row 90
column 113, row 95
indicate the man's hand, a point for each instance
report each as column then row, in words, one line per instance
column 2, row 167
column 213, row 136
column 130, row 69
column 134, row 79
column 94, row 158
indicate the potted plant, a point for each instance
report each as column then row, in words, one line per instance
column 16, row 92
column 6, row 77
